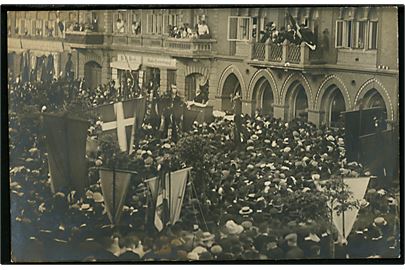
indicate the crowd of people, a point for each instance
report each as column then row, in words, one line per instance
column 263, row 199
column 277, row 35
column 200, row 30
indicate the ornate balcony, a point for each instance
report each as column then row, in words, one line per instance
column 176, row 47
column 202, row 48
column 284, row 55
column 81, row 39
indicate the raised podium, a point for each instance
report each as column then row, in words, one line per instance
column 205, row 112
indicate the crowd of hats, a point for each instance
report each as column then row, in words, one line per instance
column 263, row 199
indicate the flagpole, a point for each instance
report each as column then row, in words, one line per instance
column 113, row 195
column 68, row 176
column 170, row 191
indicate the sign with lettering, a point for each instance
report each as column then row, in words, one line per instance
column 124, row 57
column 159, row 62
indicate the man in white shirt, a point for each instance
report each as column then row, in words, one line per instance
column 203, row 31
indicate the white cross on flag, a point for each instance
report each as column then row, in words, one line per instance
column 119, row 117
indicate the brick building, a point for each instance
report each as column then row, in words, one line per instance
column 355, row 62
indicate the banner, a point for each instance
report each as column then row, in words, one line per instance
column 66, row 145
column 119, row 118
column 175, row 187
column 379, row 153
column 139, row 115
column 189, row 117
column 359, row 123
column 114, row 186
column 345, row 221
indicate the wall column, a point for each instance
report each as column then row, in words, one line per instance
column 163, row 80
column 314, row 117
column 279, row 111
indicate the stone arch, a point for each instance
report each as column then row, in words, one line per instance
column 92, row 74
column 256, row 77
column 379, row 87
column 296, row 101
column 290, row 81
column 231, row 69
column 200, row 69
column 326, row 84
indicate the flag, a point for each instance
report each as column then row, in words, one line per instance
column 139, row 115
column 161, row 206
column 66, row 145
column 25, row 70
column 114, row 186
column 358, row 187
column 173, row 192
column 119, row 118
column 304, row 33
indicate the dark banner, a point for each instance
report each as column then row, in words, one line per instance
column 379, row 153
column 66, row 145
column 359, row 123
column 188, row 119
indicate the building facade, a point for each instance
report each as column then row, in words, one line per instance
column 354, row 65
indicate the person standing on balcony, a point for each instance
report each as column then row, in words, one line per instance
column 95, row 24
column 120, row 26
column 202, row 30
column 135, row 28
column 266, row 33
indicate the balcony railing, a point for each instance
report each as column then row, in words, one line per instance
column 173, row 46
column 286, row 54
column 259, row 51
column 85, row 38
column 189, row 47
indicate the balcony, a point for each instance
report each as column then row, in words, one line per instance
column 83, row 39
column 284, row 55
column 176, row 47
column 202, row 48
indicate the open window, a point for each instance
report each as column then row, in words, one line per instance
column 239, row 28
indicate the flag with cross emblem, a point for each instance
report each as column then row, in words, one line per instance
column 120, row 118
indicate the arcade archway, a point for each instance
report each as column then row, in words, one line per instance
column 296, row 102
column 262, row 98
column 92, row 74
column 231, row 85
column 332, row 105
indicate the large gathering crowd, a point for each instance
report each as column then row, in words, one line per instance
column 263, row 199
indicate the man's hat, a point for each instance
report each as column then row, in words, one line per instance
column 292, row 237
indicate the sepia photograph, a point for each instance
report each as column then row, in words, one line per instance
column 203, row 134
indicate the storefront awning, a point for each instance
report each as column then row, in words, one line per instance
column 130, row 65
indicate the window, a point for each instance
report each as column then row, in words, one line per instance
column 348, row 34
column 37, row 27
column 239, row 28
column 372, row 41
column 22, row 27
column 120, row 22
column 135, row 23
column 171, row 77
column 154, row 23
column 360, row 35
column 339, row 34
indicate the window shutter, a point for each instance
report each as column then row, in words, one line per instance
column 339, row 34
column 232, row 28
column 33, row 28
column 22, row 26
column 373, row 31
